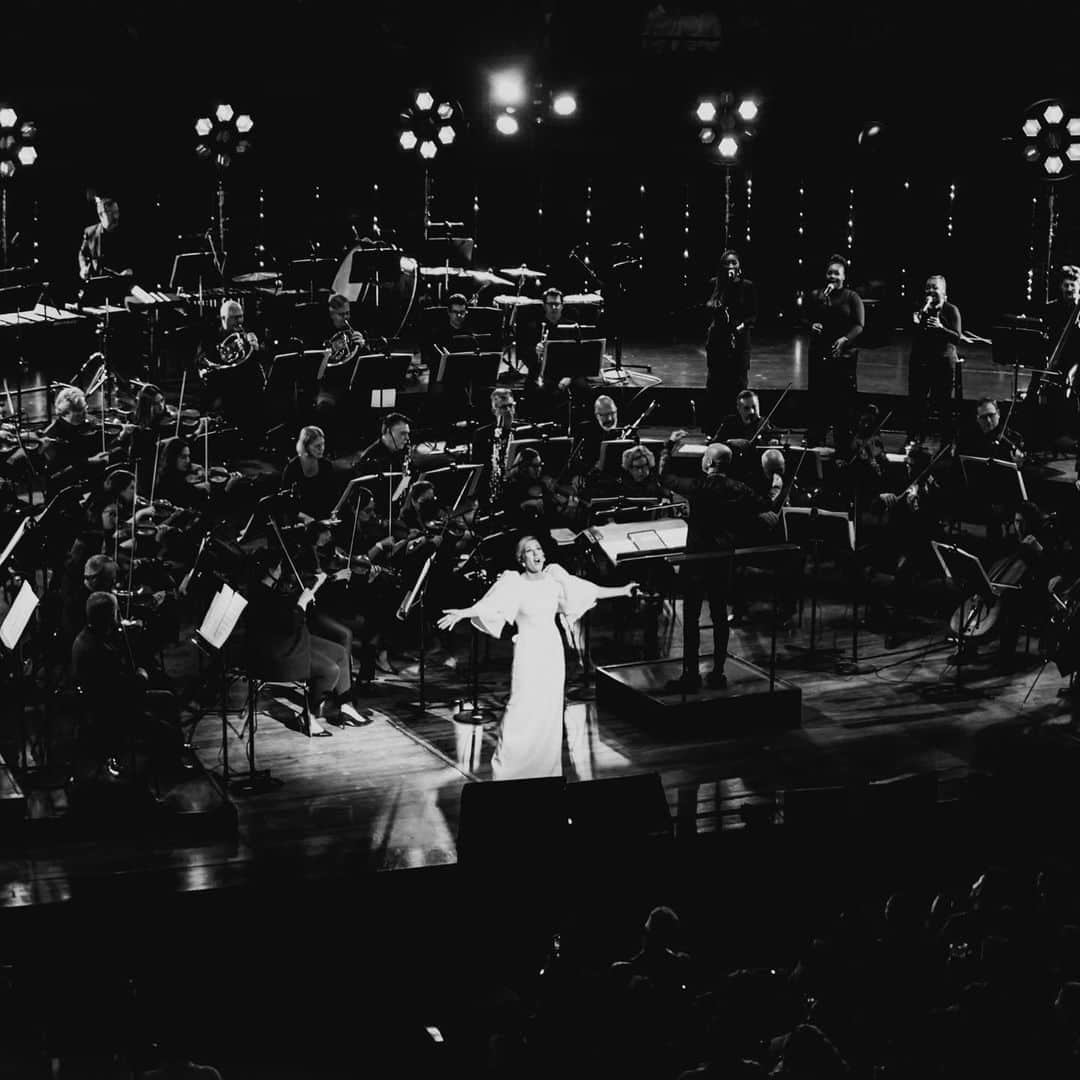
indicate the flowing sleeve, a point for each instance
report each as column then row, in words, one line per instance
column 576, row 595
column 499, row 605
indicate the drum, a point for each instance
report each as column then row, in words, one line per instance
column 380, row 281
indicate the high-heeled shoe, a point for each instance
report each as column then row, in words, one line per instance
column 382, row 663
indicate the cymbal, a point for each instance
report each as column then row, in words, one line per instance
column 512, row 300
column 521, row 271
column 583, row 298
column 486, row 277
column 256, row 278
column 444, row 271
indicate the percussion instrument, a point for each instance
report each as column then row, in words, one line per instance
column 511, row 300
column 521, row 271
column 583, row 298
column 259, row 277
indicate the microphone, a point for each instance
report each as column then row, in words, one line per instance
column 732, row 273
column 928, row 305
column 693, row 413
column 828, row 289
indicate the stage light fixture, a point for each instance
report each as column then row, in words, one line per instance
column 1050, row 131
column 220, row 137
column 16, row 149
column 8, row 117
column 426, row 126
column 7, row 168
column 706, row 111
column 564, row 104
column 506, row 124
column 27, row 155
column 707, row 135
column 748, row 110
column 728, row 147
column 508, row 88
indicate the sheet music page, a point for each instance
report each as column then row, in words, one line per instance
column 222, row 617
column 18, row 616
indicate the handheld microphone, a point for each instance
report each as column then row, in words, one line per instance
column 693, row 413
column 732, row 273
column 928, row 305
column 829, row 288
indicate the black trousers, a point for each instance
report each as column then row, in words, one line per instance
column 833, row 393
column 697, row 588
column 929, row 380
column 728, row 374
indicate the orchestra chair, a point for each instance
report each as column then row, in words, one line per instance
column 256, row 684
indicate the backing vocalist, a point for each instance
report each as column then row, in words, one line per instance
column 837, row 318
column 733, row 308
column 933, row 356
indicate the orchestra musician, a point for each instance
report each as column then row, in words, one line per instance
column 589, row 435
column 739, row 431
column 483, row 448
column 534, row 333
column 342, row 347
column 311, row 476
column 391, row 451
column 722, row 511
column 837, row 317
column 733, row 306
column 1061, row 317
column 637, row 476
column 933, row 357
column 231, row 361
column 72, row 446
column 105, row 247
column 986, row 439
column 441, row 331
column 282, row 647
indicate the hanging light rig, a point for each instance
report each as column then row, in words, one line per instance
column 221, row 138
column 17, row 150
column 428, row 126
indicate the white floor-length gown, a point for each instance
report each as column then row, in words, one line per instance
column 530, row 736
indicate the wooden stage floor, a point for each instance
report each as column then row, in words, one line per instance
column 387, row 796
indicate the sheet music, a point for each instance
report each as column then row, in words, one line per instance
column 221, row 618
column 18, row 616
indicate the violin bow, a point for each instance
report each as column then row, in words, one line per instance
column 134, row 540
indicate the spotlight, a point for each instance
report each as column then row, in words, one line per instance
column 748, row 109
column 7, row 168
column 8, row 117
column 1051, row 138
column 706, row 111
column 508, row 87
column 706, row 136
column 564, row 104
column 506, row 124
column 220, row 137
column 16, row 142
column 728, row 147
column 27, row 155
column 869, row 130
column 425, row 124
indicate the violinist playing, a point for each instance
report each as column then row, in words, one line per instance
column 73, row 446
column 1062, row 319
column 987, row 438
column 933, row 357
column 740, row 431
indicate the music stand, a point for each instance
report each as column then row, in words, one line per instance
column 23, row 297
column 555, row 452
column 1017, row 347
column 380, row 373
column 802, row 468
column 11, row 634
column 211, row 638
column 189, row 270
column 819, row 528
column 414, row 599
column 571, row 359
column 454, row 483
column 467, row 371
column 992, row 482
column 966, row 573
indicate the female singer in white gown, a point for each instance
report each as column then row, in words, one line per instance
column 530, row 737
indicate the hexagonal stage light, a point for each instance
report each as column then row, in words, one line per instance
column 724, row 123
column 221, row 137
column 429, row 124
column 1050, row 138
column 16, row 142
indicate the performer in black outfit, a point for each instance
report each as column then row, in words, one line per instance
column 733, row 305
column 986, row 438
column 311, row 477
column 390, row 451
column 933, row 357
column 738, row 429
column 105, row 247
column 590, row 435
column 722, row 511
column 231, row 359
column 1057, row 313
column 836, row 317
